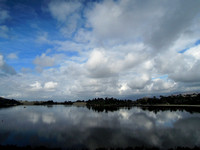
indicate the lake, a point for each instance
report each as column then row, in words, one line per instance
column 62, row 126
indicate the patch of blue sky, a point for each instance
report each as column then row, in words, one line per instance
column 163, row 77
column 22, row 46
column 28, row 19
column 24, row 63
column 21, row 14
column 72, row 53
column 195, row 44
column 184, row 50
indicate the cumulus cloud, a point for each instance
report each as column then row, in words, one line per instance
column 139, row 82
column 106, row 62
column 50, row 85
column 36, row 86
column 174, row 23
column 44, row 61
column 149, row 21
column 194, row 52
column 190, row 75
column 125, row 20
column 47, row 61
column 98, row 64
column 162, row 85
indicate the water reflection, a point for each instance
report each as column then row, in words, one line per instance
column 153, row 108
column 79, row 127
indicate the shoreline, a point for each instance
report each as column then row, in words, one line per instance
column 32, row 103
column 167, row 105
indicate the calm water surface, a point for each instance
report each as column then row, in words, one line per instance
column 78, row 127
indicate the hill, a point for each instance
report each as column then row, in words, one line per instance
column 4, row 102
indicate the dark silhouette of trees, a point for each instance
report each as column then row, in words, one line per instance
column 4, row 102
column 107, row 104
column 189, row 99
column 51, row 102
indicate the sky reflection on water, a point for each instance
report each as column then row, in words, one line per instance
column 79, row 127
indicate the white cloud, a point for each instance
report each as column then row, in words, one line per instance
column 50, row 85
column 39, row 86
column 130, row 20
column 161, row 85
column 106, row 62
column 47, row 61
column 124, row 87
column 191, row 74
column 98, row 64
column 124, row 20
column 139, row 82
column 44, row 61
column 194, row 52
column 36, row 86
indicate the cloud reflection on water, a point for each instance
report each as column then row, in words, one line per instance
column 74, row 127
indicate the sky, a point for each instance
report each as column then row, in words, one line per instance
column 82, row 49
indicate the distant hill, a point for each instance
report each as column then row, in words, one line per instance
column 4, row 102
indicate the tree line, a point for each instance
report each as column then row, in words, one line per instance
column 188, row 99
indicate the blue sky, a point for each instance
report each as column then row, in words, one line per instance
column 194, row 45
column 68, row 50
column 27, row 21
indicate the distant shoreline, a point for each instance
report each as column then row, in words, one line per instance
column 28, row 147
column 167, row 105
column 173, row 101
